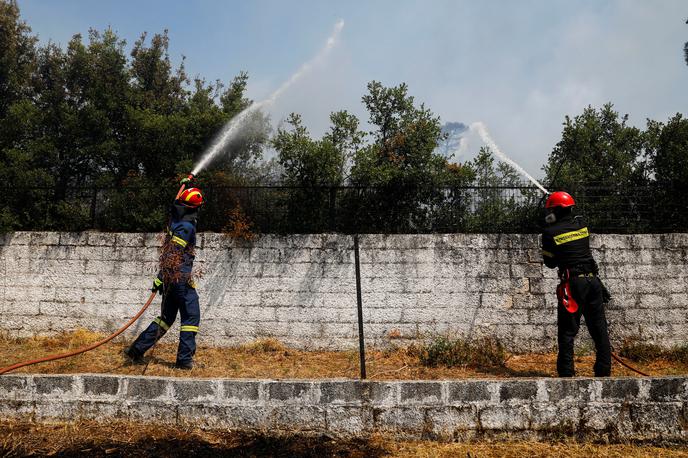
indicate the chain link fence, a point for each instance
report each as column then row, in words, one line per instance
column 345, row 209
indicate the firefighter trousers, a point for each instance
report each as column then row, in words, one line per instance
column 587, row 291
column 182, row 298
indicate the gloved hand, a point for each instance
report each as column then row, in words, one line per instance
column 186, row 180
column 157, row 285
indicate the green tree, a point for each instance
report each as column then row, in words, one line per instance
column 308, row 162
column 316, row 167
column 401, row 166
column 598, row 160
column 90, row 115
column 667, row 157
column 404, row 139
column 497, row 202
column 17, row 57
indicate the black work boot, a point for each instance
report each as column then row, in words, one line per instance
column 133, row 355
column 183, row 366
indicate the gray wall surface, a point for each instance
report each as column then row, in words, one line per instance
column 614, row 409
column 301, row 289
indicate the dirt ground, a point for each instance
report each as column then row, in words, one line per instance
column 114, row 439
column 271, row 359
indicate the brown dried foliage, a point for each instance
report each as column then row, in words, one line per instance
column 120, row 438
column 239, row 225
column 270, row 358
column 171, row 258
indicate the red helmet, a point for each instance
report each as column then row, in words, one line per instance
column 191, row 197
column 560, row 199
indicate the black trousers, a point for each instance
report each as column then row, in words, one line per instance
column 587, row 291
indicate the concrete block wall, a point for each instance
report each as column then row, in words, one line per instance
column 301, row 288
column 613, row 409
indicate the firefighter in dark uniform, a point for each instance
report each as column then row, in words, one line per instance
column 176, row 284
column 566, row 246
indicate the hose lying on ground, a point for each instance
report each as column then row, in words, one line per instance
column 627, row 366
column 4, row 370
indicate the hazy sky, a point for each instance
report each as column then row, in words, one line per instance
column 517, row 66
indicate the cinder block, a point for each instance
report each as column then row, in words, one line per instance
column 101, row 239
column 421, row 393
column 130, row 240
column 291, row 392
column 55, row 385
column 569, row 390
column 15, row 387
column 620, row 389
column 384, row 393
column 611, row 417
column 186, row 391
column 517, row 390
column 349, row 420
column 560, row 418
column 73, row 238
column 463, row 392
column 18, row 238
column 149, row 411
column 669, row 389
column 297, row 418
column 505, row 418
column 446, row 422
column 45, row 238
column 149, row 388
column 100, row 385
column 658, row 420
column 345, row 392
column 240, row 391
column 408, row 422
column 243, row 418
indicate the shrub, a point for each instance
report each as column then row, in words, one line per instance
column 443, row 351
column 635, row 350
column 678, row 354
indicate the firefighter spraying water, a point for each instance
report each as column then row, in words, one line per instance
column 175, row 281
column 566, row 246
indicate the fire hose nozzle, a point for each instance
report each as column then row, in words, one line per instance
column 184, row 182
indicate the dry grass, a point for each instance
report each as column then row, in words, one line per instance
column 270, row 358
column 22, row 438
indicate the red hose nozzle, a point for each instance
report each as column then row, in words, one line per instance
column 181, row 189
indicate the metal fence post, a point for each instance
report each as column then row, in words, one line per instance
column 94, row 202
column 333, row 197
column 359, row 300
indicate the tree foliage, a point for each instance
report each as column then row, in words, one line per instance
column 89, row 115
column 95, row 133
column 625, row 178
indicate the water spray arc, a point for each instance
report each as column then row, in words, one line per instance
column 481, row 130
column 237, row 122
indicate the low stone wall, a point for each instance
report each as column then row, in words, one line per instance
column 617, row 409
column 301, row 289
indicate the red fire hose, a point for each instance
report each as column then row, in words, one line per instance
column 628, row 366
column 4, row 370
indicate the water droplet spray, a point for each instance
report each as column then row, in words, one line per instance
column 235, row 124
column 481, row 130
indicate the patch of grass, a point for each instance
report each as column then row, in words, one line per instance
column 678, row 354
column 637, row 350
column 480, row 353
column 270, row 345
column 270, row 358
